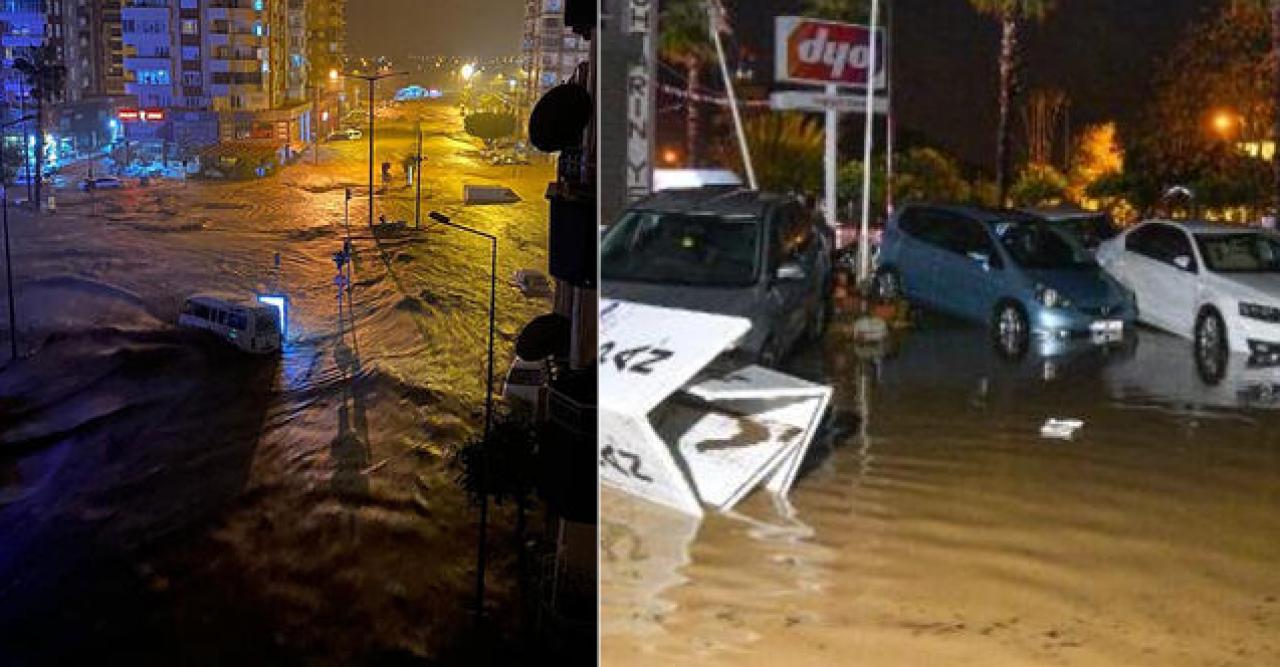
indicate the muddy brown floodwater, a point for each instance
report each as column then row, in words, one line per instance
column 941, row 529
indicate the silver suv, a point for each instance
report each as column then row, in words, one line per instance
column 725, row 250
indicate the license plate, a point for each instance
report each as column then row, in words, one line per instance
column 1108, row 330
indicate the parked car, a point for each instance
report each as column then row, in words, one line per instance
column 532, row 283
column 101, row 183
column 725, row 250
column 1088, row 228
column 1216, row 284
column 24, row 180
column 244, row 323
column 353, row 133
column 1014, row 272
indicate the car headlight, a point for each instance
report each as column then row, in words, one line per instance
column 1050, row 298
column 1258, row 311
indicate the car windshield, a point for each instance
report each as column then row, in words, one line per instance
column 1035, row 245
column 1240, row 253
column 680, row 248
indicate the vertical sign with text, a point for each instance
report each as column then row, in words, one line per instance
column 639, row 22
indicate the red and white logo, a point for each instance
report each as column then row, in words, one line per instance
column 817, row 51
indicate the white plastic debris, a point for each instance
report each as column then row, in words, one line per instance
column 1062, row 429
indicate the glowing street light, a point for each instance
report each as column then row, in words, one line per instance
column 333, row 75
column 1224, row 123
column 468, row 71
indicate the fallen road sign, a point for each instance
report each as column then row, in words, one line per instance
column 684, row 428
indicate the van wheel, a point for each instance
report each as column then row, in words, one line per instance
column 886, row 286
column 1010, row 330
column 1211, row 345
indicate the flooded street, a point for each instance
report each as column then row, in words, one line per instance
column 941, row 528
column 178, row 502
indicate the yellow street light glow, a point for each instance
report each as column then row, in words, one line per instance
column 333, row 75
column 468, row 71
column 1224, row 122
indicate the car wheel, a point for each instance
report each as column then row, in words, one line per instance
column 1010, row 330
column 886, row 286
column 1211, row 346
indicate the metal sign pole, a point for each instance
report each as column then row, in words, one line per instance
column 831, row 159
column 715, row 13
column 864, row 242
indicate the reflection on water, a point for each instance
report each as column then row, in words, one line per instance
column 942, row 529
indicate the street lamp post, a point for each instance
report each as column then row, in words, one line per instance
column 488, row 403
column 8, row 255
column 373, row 79
column 417, row 177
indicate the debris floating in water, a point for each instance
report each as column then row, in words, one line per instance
column 1063, row 429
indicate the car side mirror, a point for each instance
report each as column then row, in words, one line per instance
column 791, row 271
column 1182, row 262
column 982, row 258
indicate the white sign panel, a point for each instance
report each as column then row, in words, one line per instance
column 648, row 352
column 682, row 441
column 803, row 100
column 639, row 151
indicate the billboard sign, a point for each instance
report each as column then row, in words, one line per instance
column 815, row 51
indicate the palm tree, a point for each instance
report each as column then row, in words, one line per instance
column 838, row 10
column 787, row 150
column 46, row 79
column 1012, row 14
column 686, row 42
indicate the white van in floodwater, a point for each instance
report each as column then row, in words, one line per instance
column 245, row 323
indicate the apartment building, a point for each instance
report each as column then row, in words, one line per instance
column 93, row 45
column 551, row 52
column 326, row 38
column 239, row 66
column 24, row 26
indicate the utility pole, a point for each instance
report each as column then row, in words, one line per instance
column 864, row 240
column 8, row 255
column 481, row 547
column 417, row 177
column 315, row 118
column 372, row 79
column 716, row 17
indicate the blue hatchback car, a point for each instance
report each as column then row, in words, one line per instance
column 1008, row 270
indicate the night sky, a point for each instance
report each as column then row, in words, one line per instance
column 467, row 28
column 1101, row 52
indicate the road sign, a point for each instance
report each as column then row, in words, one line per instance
column 680, row 429
column 826, row 52
column 805, row 100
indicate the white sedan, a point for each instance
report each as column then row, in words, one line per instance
column 1216, row 284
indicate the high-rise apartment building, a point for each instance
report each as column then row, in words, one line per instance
column 551, row 52
column 243, row 60
column 93, row 47
column 326, row 38
column 24, row 25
